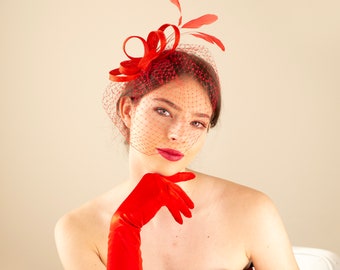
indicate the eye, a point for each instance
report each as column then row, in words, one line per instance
column 162, row 111
column 199, row 124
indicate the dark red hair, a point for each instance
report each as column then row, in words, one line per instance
column 172, row 65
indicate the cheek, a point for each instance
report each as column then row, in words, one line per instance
column 197, row 146
column 192, row 151
column 146, row 133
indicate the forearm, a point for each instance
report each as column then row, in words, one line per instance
column 151, row 193
column 124, row 247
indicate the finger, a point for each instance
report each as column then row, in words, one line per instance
column 180, row 192
column 176, row 203
column 175, row 213
column 180, row 177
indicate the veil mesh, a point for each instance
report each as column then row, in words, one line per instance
column 165, row 76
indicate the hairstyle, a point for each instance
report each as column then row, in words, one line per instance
column 172, row 65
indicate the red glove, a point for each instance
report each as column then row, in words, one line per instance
column 151, row 193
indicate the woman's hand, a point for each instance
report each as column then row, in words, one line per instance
column 151, row 193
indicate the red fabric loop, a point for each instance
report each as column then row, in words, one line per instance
column 145, row 45
column 129, row 67
column 154, row 46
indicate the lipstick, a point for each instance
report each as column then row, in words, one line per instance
column 170, row 154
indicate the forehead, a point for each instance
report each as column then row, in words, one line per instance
column 185, row 92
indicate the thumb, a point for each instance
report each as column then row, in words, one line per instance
column 180, row 177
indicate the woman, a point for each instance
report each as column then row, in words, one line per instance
column 164, row 104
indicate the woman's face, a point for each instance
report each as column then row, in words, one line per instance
column 169, row 124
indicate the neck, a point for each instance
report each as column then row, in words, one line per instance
column 137, row 168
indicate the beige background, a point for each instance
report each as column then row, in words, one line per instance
column 279, row 131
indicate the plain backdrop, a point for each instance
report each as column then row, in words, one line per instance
column 279, row 130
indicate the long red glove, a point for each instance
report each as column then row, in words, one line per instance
column 151, row 193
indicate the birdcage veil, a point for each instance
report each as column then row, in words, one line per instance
column 166, row 64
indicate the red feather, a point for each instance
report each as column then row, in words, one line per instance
column 198, row 22
column 210, row 38
column 180, row 21
column 178, row 5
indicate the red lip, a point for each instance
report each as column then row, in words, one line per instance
column 170, row 154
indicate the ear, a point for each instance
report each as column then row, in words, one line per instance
column 125, row 110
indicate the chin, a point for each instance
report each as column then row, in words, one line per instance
column 167, row 169
column 157, row 164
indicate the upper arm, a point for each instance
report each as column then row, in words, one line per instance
column 74, row 247
column 269, row 245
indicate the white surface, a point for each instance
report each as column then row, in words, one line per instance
column 316, row 259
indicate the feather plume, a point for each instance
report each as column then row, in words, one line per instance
column 209, row 38
column 178, row 5
column 203, row 20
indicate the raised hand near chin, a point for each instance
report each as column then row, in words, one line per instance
column 151, row 193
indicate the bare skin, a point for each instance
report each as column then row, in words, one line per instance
column 231, row 226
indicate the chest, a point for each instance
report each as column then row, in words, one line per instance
column 197, row 244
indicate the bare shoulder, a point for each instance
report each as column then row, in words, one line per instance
column 266, row 240
column 254, row 205
column 235, row 193
column 82, row 232
column 75, row 236
column 80, row 221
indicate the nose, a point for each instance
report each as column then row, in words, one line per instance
column 176, row 131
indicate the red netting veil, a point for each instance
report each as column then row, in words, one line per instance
column 174, row 88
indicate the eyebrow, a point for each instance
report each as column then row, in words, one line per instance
column 178, row 108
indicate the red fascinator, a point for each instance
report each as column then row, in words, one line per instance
column 157, row 42
column 158, row 45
